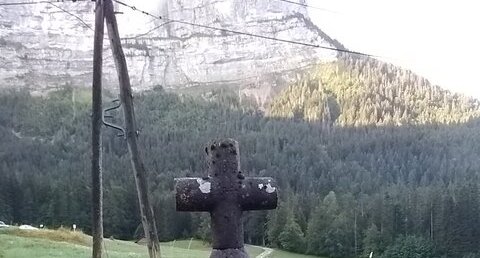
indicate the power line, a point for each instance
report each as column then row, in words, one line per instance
column 245, row 33
column 148, row 32
column 168, row 20
column 308, row 6
column 138, row 10
column 24, row 3
column 53, row 4
column 78, row 18
column 34, row 2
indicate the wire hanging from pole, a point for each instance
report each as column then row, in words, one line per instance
column 36, row 2
column 134, row 8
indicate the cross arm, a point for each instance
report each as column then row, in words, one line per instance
column 193, row 194
column 258, row 193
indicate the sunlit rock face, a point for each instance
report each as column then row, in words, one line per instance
column 42, row 47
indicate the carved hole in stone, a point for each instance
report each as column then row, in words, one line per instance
column 223, row 145
column 264, row 187
column 206, row 150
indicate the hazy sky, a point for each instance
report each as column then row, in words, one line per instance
column 438, row 39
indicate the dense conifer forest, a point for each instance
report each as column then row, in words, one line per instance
column 368, row 158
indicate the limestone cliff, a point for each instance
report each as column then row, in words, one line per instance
column 43, row 47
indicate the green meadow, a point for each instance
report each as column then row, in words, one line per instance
column 63, row 243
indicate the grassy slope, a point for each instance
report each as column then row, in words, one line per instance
column 59, row 243
column 283, row 254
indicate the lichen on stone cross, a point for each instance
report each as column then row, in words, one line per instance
column 225, row 192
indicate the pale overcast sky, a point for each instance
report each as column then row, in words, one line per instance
column 438, row 39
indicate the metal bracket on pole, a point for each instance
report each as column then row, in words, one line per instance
column 116, row 127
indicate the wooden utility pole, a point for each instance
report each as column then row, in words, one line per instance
column 97, row 192
column 431, row 222
column 355, row 232
column 148, row 220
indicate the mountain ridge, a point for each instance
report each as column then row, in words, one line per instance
column 42, row 47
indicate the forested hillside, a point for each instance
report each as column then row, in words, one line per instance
column 403, row 179
column 356, row 92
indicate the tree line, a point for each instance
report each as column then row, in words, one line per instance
column 350, row 184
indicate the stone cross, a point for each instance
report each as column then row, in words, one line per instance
column 226, row 193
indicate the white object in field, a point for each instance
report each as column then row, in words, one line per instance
column 3, row 225
column 27, row 227
column 41, row 225
column 371, row 254
column 74, row 227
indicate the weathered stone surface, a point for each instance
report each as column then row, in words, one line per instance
column 226, row 193
column 42, row 47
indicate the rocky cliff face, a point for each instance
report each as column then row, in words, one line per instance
column 43, row 47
